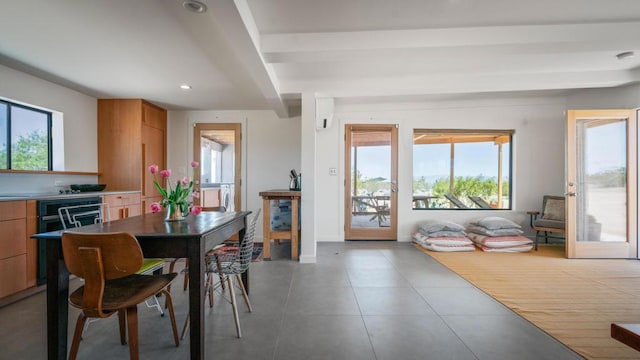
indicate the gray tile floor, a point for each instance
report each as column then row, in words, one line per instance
column 361, row 300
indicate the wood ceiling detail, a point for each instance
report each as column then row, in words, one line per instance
column 222, row 137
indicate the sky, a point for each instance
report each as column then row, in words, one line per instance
column 605, row 149
column 432, row 160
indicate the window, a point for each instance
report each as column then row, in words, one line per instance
column 25, row 137
column 462, row 169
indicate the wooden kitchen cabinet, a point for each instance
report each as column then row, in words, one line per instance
column 132, row 136
column 123, row 205
column 13, row 247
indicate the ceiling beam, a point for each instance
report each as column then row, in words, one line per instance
column 450, row 37
column 463, row 83
column 240, row 29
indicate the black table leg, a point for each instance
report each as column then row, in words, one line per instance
column 57, row 295
column 196, row 252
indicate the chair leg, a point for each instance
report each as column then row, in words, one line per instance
column 234, row 306
column 185, row 281
column 219, row 265
column 153, row 302
column 536, row 240
column 546, row 237
column 122, row 323
column 172, row 316
column 77, row 336
column 132, row 327
column 172, row 265
column 185, row 327
column 244, row 292
column 209, row 288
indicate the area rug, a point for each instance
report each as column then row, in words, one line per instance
column 573, row 300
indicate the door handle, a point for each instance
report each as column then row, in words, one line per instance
column 570, row 193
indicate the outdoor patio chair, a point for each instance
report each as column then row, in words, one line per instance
column 455, row 201
column 480, row 202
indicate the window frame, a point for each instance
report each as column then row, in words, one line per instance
column 470, row 132
column 49, row 116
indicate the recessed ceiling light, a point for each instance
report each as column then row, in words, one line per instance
column 625, row 55
column 185, row 87
column 195, row 6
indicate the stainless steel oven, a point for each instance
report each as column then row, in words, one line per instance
column 49, row 220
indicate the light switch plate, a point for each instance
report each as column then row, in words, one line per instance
column 333, row 171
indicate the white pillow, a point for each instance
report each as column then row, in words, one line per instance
column 429, row 226
column 497, row 232
column 495, row 223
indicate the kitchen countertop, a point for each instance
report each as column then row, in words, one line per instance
column 53, row 196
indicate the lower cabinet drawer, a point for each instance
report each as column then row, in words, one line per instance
column 13, row 275
column 14, row 238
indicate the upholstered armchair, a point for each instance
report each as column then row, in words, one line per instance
column 552, row 219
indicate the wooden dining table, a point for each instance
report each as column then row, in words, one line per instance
column 190, row 239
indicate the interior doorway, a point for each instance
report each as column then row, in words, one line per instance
column 217, row 148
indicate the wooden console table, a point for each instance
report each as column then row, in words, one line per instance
column 268, row 234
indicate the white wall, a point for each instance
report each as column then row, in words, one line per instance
column 270, row 148
column 80, row 129
column 538, row 157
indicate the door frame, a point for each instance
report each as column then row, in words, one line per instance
column 387, row 233
column 237, row 148
column 582, row 249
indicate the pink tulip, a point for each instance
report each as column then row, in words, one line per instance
column 195, row 210
column 165, row 173
column 185, row 181
column 155, row 207
column 196, row 195
column 153, row 169
column 194, row 164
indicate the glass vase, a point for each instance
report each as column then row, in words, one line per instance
column 174, row 213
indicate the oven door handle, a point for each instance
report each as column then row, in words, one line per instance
column 49, row 217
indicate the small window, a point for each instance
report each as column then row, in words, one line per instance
column 25, row 137
column 462, row 169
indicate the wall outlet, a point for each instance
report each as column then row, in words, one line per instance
column 333, row 171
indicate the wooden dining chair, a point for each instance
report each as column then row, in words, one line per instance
column 75, row 216
column 108, row 263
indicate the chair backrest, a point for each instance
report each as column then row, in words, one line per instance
column 117, row 254
column 480, row 202
column 80, row 215
column 455, row 201
column 246, row 250
column 97, row 258
column 553, row 207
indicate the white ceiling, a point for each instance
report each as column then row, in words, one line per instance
column 262, row 54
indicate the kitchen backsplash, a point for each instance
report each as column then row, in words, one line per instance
column 11, row 183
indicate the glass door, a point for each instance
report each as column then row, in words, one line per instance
column 601, row 187
column 371, row 182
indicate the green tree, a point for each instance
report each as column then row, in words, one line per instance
column 610, row 178
column 420, row 185
column 463, row 187
column 30, row 152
